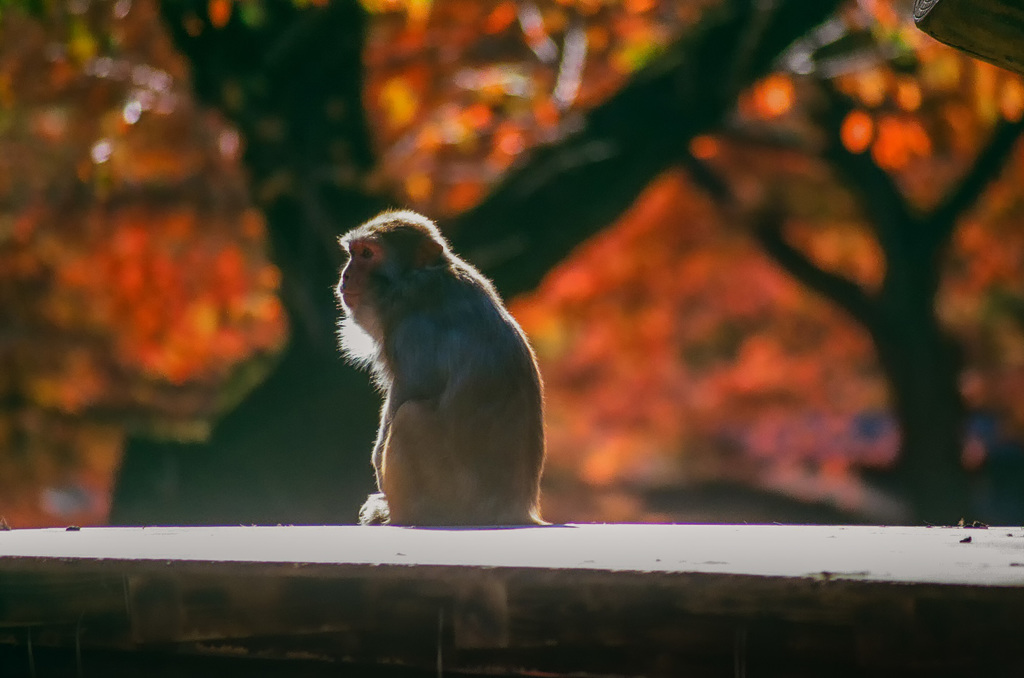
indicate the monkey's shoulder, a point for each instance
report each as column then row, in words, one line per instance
column 465, row 317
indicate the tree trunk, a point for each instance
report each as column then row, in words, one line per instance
column 297, row 449
column 922, row 364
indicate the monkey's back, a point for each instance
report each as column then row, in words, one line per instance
column 471, row 361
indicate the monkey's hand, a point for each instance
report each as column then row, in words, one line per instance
column 375, row 510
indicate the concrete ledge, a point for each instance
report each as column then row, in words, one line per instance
column 560, row 600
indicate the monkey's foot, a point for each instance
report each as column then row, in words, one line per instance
column 375, row 510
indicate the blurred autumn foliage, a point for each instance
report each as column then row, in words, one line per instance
column 787, row 235
column 724, row 367
column 460, row 92
column 136, row 290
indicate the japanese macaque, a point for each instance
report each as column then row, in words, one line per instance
column 461, row 438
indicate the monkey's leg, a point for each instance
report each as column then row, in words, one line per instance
column 418, row 477
column 438, row 473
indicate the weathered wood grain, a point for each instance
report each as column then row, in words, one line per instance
column 563, row 600
column 991, row 30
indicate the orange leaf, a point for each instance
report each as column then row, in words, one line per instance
column 418, row 186
column 857, row 131
column 908, row 95
column 704, row 147
column 509, row 139
column 546, row 113
column 477, row 116
column 773, row 96
column 639, row 6
column 219, row 12
column 500, row 18
column 464, row 195
column 1011, row 100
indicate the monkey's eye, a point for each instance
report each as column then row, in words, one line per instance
column 361, row 249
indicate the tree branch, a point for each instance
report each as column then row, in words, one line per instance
column 767, row 226
column 986, row 168
column 839, row 289
column 565, row 192
column 299, row 73
column 881, row 199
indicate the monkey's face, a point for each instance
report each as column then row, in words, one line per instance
column 384, row 272
column 354, row 290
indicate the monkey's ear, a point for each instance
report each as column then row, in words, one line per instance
column 428, row 253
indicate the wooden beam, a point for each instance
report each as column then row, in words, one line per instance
column 560, row 600
column 991, row 30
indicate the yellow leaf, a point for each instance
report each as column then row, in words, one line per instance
column 418, row 186
column 81, row 43
column 1011, row 100
column 204, row 318
column 399, row 102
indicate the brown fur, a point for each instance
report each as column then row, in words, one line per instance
column 461, row 439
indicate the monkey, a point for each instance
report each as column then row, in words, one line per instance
column 461, row 434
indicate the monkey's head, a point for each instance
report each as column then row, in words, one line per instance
column 384, row 257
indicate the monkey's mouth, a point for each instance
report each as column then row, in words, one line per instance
column 349, row 299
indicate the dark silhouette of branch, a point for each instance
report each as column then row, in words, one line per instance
column 839, row 289
column 562, row 193
column 906, row 238
column 986, row 168
column 767, row 227
column 287, row 75
column 887, row 210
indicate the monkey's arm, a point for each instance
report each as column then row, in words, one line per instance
column 382, row 433
column 421, row 356
column 374, row 510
